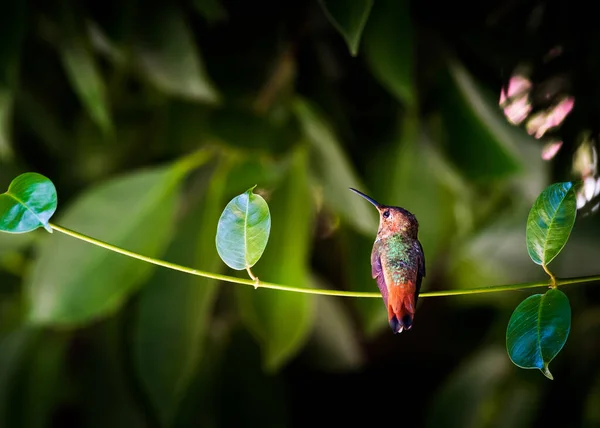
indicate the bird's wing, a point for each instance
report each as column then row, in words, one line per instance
column 377, row 272
column 421, row 270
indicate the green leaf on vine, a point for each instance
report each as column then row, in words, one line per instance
column 538, row 329
column 28, row 203
column 243, row 230
column 550, row 222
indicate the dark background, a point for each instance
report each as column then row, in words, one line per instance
column 440, row 147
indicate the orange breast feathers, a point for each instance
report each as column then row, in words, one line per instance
column 401, row 303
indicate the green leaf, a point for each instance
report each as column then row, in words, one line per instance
column 282, row 321
column 12, row 29
column 550, row 222
column 82, row 71
column 538, row 329
column 165, row 52
column 243, row 230
column 73, row 282
column 389, row 48
column 334, row 169
column 480, row 140
column 174, row 309
column 28, row 204
column 349, row 18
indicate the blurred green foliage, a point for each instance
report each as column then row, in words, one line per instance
column 110, row 99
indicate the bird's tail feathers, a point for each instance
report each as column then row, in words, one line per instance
column 402, row 317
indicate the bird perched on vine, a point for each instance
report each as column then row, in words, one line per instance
column 397, row 263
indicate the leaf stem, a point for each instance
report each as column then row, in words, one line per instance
column 255, row 283
column 254, row 278
column 551, row 275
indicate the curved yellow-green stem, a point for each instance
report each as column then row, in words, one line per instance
column 262, row 284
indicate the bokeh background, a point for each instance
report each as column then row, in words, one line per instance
column 461, row 113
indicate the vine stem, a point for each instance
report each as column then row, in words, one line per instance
column 553, row 283
column 254, row 277
column 340, row 293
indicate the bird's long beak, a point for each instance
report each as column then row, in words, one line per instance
column 373, row 201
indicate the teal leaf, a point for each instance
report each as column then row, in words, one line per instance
column 550, row 222
column 175, row 309
column 28, row 203
column 282, row 321
column 334, row 170
column 82, row 70
column 538, row 330
column 388, row 48
column 166, row 54
column 243, row 230
column 72, row 282
column 349, row 18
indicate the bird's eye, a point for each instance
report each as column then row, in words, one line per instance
column 386, row 214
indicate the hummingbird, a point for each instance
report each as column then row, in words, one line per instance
column 397, row 263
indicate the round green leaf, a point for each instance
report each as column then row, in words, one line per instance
column 243, row 230
column 550, row 222
column 28, row 204
column 538, row 329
